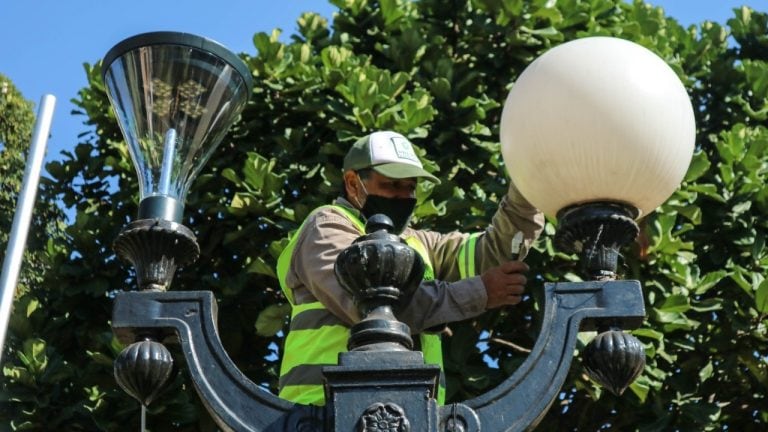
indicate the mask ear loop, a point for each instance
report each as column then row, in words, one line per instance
column 357, row 201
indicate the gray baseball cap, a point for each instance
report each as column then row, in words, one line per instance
column 388, row 153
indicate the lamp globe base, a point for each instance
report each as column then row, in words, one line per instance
column 596, row 231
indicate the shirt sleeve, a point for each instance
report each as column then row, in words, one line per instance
column 444, row 300
column 493, row 245
column 311, row 276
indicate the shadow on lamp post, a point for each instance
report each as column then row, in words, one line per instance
column 596, row 132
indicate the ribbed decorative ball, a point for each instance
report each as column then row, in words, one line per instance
column 614, row 359
column 142, row 370
column 379, row 265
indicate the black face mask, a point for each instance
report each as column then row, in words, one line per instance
column 398, row 209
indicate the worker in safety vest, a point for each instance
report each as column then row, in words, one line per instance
column 465, row 275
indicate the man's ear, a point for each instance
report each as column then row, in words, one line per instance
column 350, row 183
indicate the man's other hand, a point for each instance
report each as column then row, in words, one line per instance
column 505, row 284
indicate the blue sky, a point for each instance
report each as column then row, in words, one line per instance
column 43, row 43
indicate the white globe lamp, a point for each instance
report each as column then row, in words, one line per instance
column 597, row 130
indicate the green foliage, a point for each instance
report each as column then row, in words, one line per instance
column 439, row 75
column 16, row 122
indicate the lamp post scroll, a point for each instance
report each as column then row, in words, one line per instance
column 596, row 132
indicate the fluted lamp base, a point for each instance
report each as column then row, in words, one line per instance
column 155, row 248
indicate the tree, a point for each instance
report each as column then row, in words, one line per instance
column 15, row 129
column 438, row 74
column 16, row 122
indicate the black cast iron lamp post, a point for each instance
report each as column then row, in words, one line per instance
column 596, row 132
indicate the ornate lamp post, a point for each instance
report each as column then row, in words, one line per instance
column 596, row 132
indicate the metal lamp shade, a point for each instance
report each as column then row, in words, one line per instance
column 597, row 119
column 175, row 96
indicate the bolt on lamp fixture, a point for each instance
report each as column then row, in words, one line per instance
column 598, row 132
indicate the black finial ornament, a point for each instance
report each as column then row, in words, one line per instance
column 379, row 222
column 596, row 232
column 156, row 247
column 614, row 359
column 379, row 270
column 143, row 369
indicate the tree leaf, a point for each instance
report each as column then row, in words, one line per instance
column 761, row 297
column 271, row 319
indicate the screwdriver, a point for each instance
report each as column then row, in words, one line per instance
column 517, row 244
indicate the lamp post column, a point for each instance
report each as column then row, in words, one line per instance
column 381, row 384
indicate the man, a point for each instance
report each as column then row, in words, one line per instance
column 466, row 274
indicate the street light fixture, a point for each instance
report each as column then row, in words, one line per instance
column 596, row 132
column 175, row 96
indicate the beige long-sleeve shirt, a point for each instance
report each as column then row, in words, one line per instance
column 446, row 299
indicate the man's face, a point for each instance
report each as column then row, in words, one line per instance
column 377, row 184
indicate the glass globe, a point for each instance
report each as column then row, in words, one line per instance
column 597, row 119
column 175, row 96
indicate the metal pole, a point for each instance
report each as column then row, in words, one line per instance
column 21, row 219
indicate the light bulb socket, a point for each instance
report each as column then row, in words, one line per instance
column 595, row 232
column 161, row 207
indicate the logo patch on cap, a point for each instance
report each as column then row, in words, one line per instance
column 403, row 149
column 390, row 147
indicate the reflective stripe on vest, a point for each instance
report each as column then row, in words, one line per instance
column 467, row 257
column 284, row 260
column 316, row 336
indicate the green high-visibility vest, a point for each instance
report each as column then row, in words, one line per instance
column 316, row 336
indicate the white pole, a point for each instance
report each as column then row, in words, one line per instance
column 21, row 219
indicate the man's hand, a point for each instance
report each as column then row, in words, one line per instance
column 505, row 284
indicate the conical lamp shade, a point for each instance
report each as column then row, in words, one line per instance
column 175, row 96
